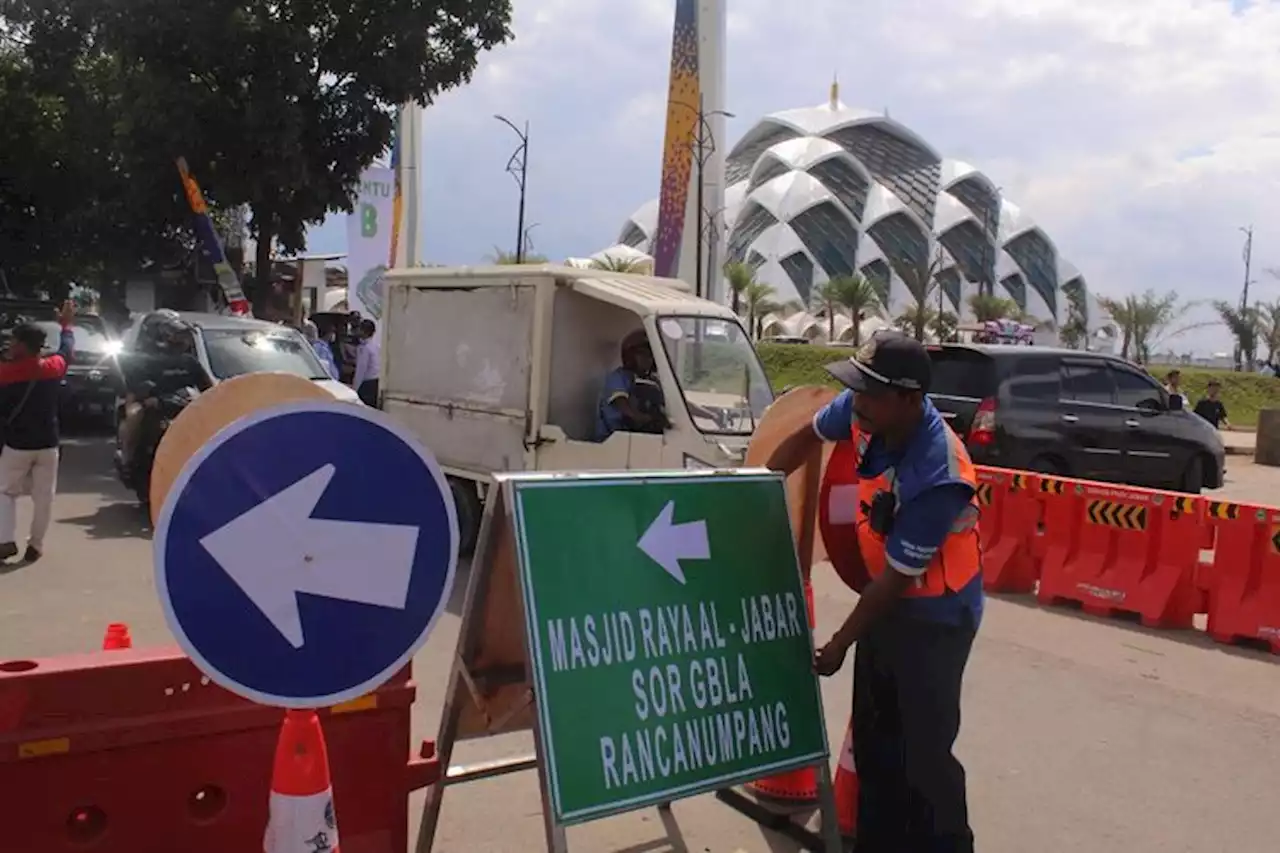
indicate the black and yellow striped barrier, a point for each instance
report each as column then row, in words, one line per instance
column 984, row 494
column 1184, row 505
column 1275, row 539
column 1018, row 482
column 1050, row 486
column 1118, row 515
column 1223, row 510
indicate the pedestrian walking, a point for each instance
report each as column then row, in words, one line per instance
column 321, row 347
column 368, row 364
column 30, row 388
column 916, row 618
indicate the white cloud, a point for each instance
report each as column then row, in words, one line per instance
column 1140, row 134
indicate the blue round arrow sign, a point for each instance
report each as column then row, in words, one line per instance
column 304, row 554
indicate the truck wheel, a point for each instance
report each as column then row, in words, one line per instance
column 467, row 501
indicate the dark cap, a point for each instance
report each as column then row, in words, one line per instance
column 887, row 360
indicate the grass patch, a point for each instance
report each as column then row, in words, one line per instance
column 1242, row 393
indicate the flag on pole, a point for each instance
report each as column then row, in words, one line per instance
column 231, row 292
column 397, row 197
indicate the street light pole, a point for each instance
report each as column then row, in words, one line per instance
column 1248, row 264
column 518, row 168
column 704, row 147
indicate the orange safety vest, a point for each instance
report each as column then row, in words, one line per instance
column 959, row 560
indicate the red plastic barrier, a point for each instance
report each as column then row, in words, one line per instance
column 1120, row 549
column 837, row 515
column 1008, row 529
column 134, row 751
column 1244, row 581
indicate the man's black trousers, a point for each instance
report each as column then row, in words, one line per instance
column 906, row 715
column 368, row 392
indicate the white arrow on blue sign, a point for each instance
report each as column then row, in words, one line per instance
column 305, row 553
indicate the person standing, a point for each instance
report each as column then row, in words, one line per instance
column 1211, row 408
column 368, row 364
column 1173, row 387
column 322, row 349
column 30, row 392
column 917, row 617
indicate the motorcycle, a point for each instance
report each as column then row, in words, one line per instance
column 135, row 471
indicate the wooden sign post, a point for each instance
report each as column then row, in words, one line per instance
column 651, row 629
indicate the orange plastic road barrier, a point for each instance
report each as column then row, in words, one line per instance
column 1120, row 550
column 846, row 786
column 302, row 814
column 133, row 751
column 1008, row 529
column 837, row 515
column 1244, row 581
column 799, row 787
column 117, row 637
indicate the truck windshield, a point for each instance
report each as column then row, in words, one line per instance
column 233, row 352
column 720, row 375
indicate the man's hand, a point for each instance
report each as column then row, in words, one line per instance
column 67, row 312
column 828, row 659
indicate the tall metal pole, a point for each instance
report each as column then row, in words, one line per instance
column 518, row 168
column 524, row 178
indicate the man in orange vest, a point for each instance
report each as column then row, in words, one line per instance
column 916, row 619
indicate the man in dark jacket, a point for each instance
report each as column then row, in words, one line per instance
column 30, row 387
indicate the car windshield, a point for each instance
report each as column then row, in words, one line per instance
column 720, row 376
column 233, row 352
column 91, row 345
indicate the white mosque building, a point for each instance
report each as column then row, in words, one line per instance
column 825, row 191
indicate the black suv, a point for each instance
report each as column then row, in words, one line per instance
column 1077, row 414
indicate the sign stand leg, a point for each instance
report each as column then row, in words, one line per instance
column 830, row 826
column 557, row 842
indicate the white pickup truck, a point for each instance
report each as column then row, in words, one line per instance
column 501, row 368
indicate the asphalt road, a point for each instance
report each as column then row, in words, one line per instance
column 1079, row 734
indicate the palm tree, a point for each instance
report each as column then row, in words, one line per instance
column 758, row 301
column 987, row 307
column 1243, row 324
column 618, row 263
column 824, row 303
column 1269, row 327
column 858, row 296
column 915, row 319
column 502, row 257
column 944, row 326
column 1145, row 320
column 739, row 276
column 920, row 278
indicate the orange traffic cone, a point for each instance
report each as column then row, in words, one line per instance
column 799, row 787
column 117, row 637
column 846, row 787
column 302, row 818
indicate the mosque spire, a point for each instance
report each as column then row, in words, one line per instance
column 835, row 92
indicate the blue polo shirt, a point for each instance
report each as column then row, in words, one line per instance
column 927, row 510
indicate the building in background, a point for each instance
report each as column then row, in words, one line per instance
column 830, row 190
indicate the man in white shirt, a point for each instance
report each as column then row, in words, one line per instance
column 368, row 364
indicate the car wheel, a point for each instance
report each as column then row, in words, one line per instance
column 1193, row 477
column 1046, row 464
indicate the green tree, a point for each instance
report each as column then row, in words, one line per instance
column 1244, row 325
column 988, row 307
column 504, row 258
column 758, row 300
column 1269, row 328
column 739, row 277
column 1147, row 319
column 618, row 263
column 920, row 277
column 858, row 297
column 276, row 104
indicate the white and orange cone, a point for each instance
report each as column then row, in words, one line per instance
column 846, row 787
column 302, row 816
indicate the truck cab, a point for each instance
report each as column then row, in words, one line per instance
column 501, row 369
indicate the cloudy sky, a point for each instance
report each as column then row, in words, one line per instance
column 1140, row 134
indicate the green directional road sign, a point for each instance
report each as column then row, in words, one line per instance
column 668, row 635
